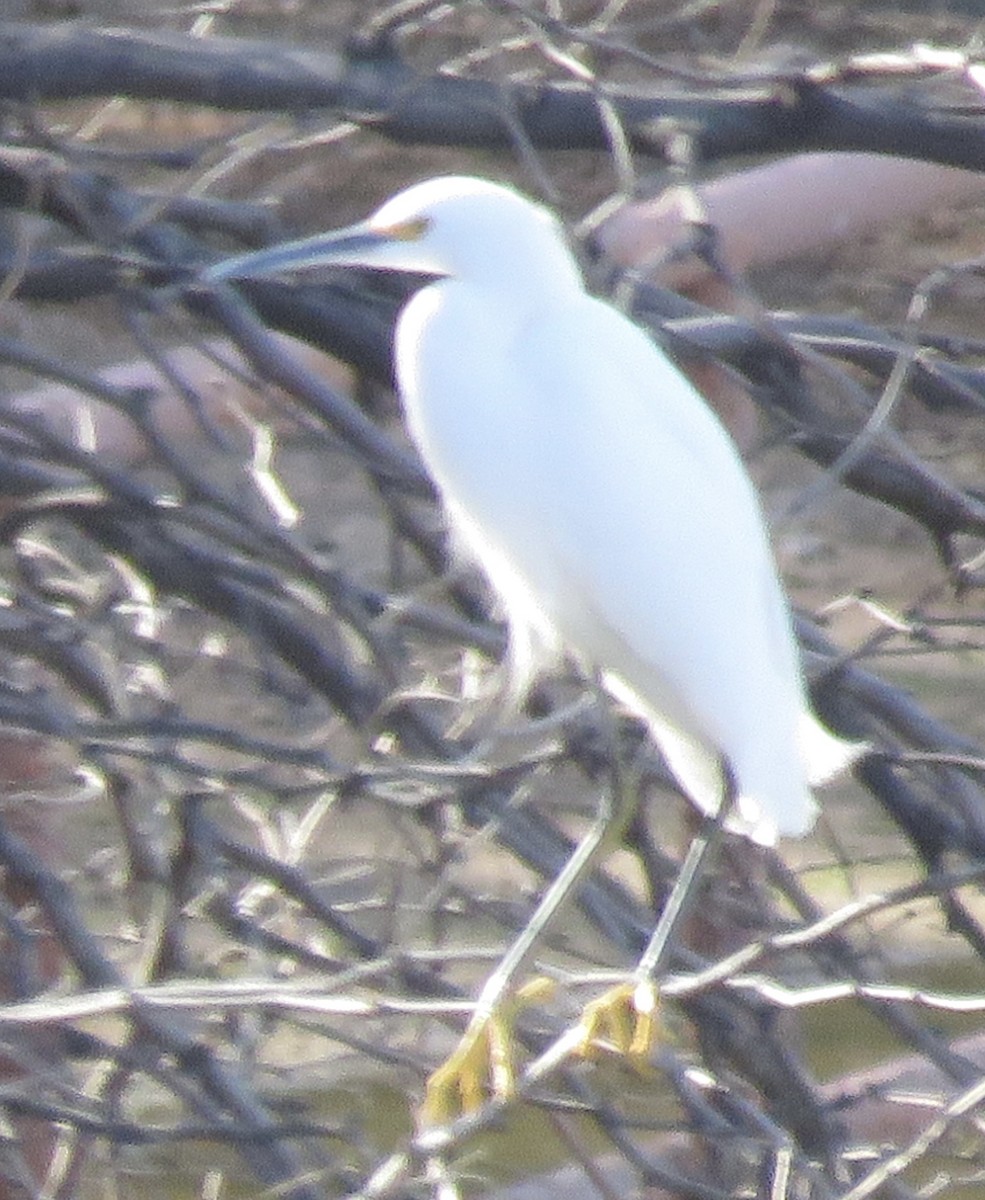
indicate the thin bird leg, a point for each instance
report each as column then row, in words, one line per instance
column 484, row 1052
column 625, row 1017
column 699, row 858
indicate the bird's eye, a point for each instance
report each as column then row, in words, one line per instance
column 408, row 231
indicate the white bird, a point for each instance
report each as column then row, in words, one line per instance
column 604, row 500
column 602, row 497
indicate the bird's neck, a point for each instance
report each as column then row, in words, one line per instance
column 529, row 274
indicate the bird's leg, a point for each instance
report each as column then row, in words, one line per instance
column 626, row 1017
column 483, row 1058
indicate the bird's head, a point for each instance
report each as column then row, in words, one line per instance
column 453, row 225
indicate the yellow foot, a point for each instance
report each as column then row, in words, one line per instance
column 483, row 1063
column 623, row 1021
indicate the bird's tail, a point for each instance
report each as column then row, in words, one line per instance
column 823, row 753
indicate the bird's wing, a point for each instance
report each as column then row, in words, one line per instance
column 647, row 500
column 654, row 529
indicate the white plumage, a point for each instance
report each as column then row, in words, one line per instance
column 605, row 501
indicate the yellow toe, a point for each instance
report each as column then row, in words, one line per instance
column 623, row 1021
column 483, row 1064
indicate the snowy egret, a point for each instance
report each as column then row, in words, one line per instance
column 604, row 500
